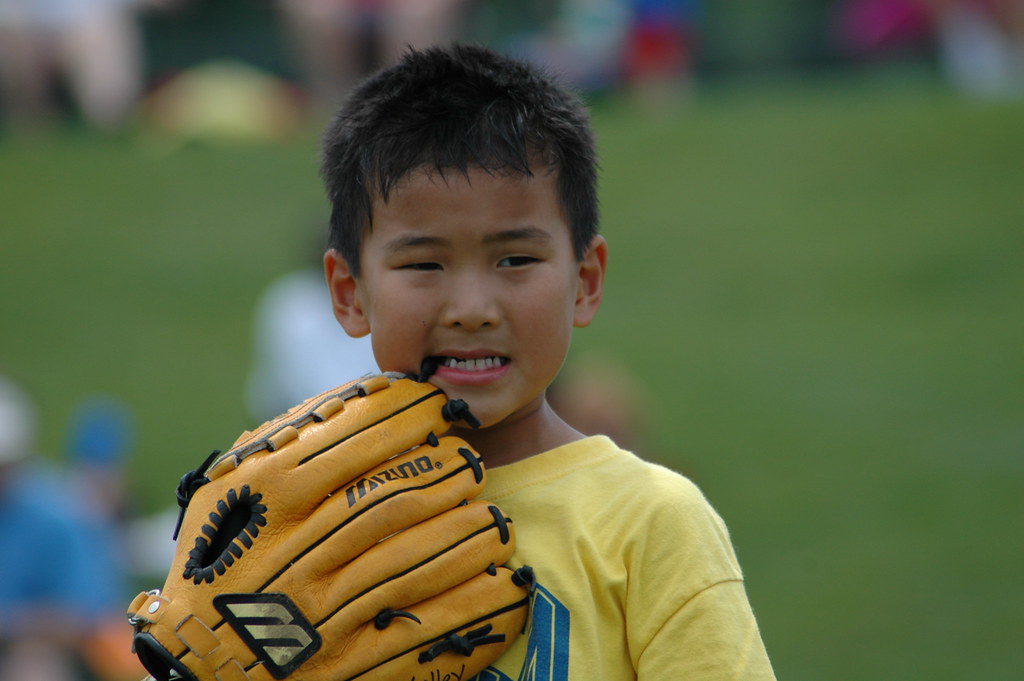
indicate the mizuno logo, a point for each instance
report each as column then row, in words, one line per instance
column 273, row 628
column 409, row 469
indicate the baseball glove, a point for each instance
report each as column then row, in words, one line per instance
column 338, row 541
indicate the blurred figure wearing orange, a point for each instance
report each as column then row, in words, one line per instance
column 337, row 42
column 597, row 395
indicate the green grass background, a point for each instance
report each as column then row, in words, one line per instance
column 820, row 284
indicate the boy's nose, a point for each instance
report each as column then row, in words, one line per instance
column 471, row 308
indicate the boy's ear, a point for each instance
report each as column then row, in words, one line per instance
column 591, row 281
column 345, row 296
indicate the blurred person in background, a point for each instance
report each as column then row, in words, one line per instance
column 101, row 437
column 658, row 59
column 598, row 395
column 866, row 28
column 980, row 43
column 52, row 587
column 646, row 46
column 297, row 351
column 101, row 440
column 337, row 42
column 91, row 47
column 583, row 43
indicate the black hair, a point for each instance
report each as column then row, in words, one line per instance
column 452, row 109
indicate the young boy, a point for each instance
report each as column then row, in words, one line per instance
column 463, row 235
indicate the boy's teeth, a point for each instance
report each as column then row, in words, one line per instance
column 478, row 364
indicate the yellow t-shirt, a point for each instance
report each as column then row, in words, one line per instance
column 636, row 575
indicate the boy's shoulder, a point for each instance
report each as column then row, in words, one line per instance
column 595, row 471
column 657, row 517
column 624, row 507
column 652, row 493
column 601, row 458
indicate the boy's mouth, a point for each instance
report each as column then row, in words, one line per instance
column 470, row 363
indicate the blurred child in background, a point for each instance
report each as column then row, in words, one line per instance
column 47, row 603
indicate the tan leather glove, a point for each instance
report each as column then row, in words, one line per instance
column 338, row 541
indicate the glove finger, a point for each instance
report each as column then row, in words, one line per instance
column 375, row 428
column 486, row 612
column 297, row 412
column 425, row 467
column 407, row 568
column 313, row 458
column 346, row 525
column 415, row 564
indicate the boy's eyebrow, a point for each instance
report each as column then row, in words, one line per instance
column 518, row 234
column 404, row 242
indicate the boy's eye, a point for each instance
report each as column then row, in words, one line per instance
column 421, row 266
column 516, row 261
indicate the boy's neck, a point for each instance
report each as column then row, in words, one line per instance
column 530, row 433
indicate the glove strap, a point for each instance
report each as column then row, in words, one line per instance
column 147, row 608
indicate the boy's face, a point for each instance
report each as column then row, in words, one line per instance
column 479, row 273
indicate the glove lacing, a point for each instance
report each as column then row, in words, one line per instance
column 384, row 617
column 190, row 482
column 463, row 645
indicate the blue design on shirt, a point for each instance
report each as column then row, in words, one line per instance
column 547, row 650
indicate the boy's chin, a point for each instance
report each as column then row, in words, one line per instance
column 463, row 429
column 485, row 415
column 488, row 408
column 490, row 415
